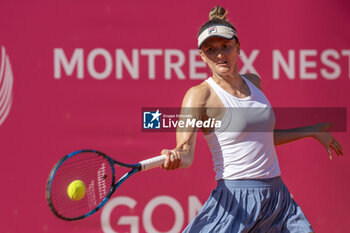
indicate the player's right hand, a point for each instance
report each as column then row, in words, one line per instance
column 173, row 159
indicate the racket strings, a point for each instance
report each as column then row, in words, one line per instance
column 96, row 173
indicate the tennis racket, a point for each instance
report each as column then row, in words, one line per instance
column 98, row 172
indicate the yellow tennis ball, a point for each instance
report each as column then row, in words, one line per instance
column 76, row 190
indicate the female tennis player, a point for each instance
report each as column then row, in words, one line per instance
column 250, row 195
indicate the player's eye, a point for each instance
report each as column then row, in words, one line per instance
column 210, row 50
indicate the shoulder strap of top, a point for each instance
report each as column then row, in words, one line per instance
column 256, row 92
column 251, row 86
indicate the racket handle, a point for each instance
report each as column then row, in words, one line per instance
column 152, row 162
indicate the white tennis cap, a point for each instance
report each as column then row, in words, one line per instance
column 218, row 30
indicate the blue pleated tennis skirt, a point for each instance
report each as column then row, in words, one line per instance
column 257, row 205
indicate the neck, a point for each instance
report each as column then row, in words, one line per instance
column 233, row 81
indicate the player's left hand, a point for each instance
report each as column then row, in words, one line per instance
column 322, row 134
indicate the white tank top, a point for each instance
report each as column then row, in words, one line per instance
column 243, row 147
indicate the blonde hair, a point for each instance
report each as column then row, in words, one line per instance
column 217, row 16
column 218, row 12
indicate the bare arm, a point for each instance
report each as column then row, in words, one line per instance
column 318, row 131
column 283, row 136
column 183, row 154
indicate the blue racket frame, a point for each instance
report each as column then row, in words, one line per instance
column 134, row 169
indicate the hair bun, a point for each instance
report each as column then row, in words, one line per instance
column 217, row 12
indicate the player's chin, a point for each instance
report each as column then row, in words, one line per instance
column 223, row 71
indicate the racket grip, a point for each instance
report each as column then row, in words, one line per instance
column 152, row 162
